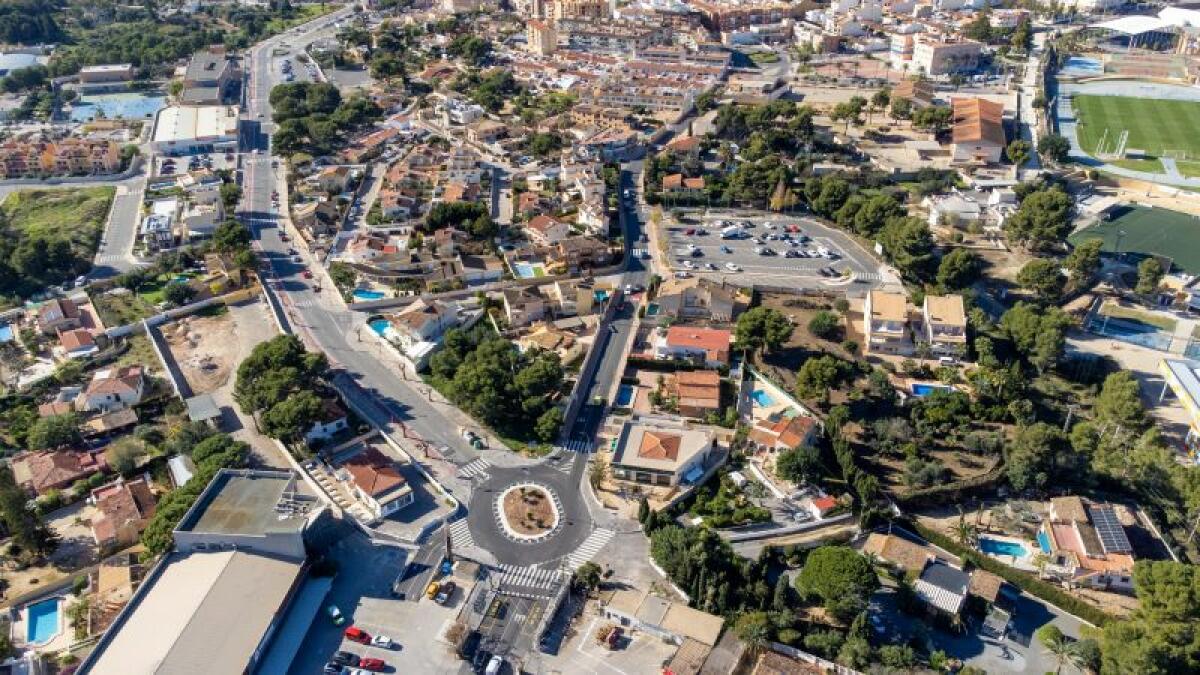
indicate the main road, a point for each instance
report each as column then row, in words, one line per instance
column 374, row 383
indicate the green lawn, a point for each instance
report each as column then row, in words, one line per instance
column 76, row 215
column 1163, row 323
column 1188, row 169
column 1158, row 127
column 1148, row 165
column 1150, row 231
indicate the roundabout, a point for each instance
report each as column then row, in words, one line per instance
column 531, row 514
column 527, row 512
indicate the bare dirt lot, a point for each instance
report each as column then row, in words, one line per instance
column 205, row 348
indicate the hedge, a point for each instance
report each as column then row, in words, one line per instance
column 1023, row 580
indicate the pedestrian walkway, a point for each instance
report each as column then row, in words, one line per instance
column 460, row 535
column 576, row 445
column 589, row 548
column 520, row 578
column 476, row 468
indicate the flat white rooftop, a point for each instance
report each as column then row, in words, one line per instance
column 205, row 613
column 187, row 123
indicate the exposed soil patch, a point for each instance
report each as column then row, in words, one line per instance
column 205, row 348
column 529, row 511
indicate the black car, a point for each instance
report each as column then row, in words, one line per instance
column 345, row 659
column 332, row 668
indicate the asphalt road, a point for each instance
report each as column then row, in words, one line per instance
column 115, row 254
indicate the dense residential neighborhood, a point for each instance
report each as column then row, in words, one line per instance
column 568, row 336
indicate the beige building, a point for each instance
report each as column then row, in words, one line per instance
column 944, row 324
column 885, row 321
column 977, row 136
column 540, row 37
column 935, row 58
column 661, row 452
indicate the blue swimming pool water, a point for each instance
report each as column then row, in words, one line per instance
column 6, row 333
column 42, row 621
column 625, row 395
column 762, row 398
column 1043, row 541
column 925, row 389
column 524, row 270
column 997, row 547
column 601, row 296
column 127, row 105
column 380, row 326
column 361, row 294
column 1083, row 64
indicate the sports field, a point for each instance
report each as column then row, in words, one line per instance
column 1150, row 231
column 1157, row 126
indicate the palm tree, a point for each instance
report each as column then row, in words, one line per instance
column 1057, row 646
column 755, row 636
column 964, row 532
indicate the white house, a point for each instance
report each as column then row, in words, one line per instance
column 112, row 389
column 329, row 422
column 377, row 484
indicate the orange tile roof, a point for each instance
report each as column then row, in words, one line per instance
column 374, row 473
column 657, row 445
column 75, row 339
column 977, row 119
column 714, row 341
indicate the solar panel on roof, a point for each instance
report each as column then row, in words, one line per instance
column 1110, row 530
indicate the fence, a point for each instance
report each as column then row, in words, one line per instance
column 1133, row 332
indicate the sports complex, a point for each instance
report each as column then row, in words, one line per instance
column 1129, row 105
column 1144, row 230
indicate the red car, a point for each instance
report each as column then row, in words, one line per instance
column 690, row 231
column 372, row 664
column 356, row 634
column 307, row 274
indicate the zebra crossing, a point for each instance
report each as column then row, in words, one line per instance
column 528, row 577
column 576, row 445
column 460, row 534
column 868, row 276
column 109, row 258
column 589, row 548
column 475, row 468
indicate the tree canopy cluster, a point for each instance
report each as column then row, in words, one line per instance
column 31, row 538
column 312, row 116
column 474, row 218
column 277, row 383
column 515, row 393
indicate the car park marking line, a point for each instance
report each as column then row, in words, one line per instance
column 583, row 640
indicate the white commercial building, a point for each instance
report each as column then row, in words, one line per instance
column 182, row 130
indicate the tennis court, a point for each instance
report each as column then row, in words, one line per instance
column 1150, row 231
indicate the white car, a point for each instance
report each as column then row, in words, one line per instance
column 682, row 275
column 692, row 247
column 382, row 641
column 732, row 267
column 769, row 226
column 688, row 264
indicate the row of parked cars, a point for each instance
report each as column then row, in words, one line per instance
column 349, row 663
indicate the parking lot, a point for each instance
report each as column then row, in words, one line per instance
column 796, row 252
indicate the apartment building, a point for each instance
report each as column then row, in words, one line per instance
column 936, row 58
column 610, row 35
column 210, row 78
column 729, row 15
column 66, row 157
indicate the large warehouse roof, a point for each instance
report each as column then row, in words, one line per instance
column 1134, row 25
column 195, row 122
column 205, row 613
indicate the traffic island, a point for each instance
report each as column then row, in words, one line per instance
column 527, row 512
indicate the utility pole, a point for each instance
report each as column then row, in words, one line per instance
column 1070, row 411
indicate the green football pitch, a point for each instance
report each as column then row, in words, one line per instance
column 1150, row 231
column 1158, row 127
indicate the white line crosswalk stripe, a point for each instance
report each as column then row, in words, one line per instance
column 477, row 467
column 589, row 548
column 460, row 534
column 516, row 576
column 578, row 446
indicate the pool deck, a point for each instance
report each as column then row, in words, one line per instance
column 1024, row 563
column 61, row 641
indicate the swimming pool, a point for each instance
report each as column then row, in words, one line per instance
column 41, row 621
column 600, row 296
column 528, row 270
column 362, row 294
column 1083, row 65
column 380, row 326
column 625, row 395
column 127, row 105
column 925, row 389
column 1043, row 541
column 762, row 398
column 998, row 547
column 6, row 333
